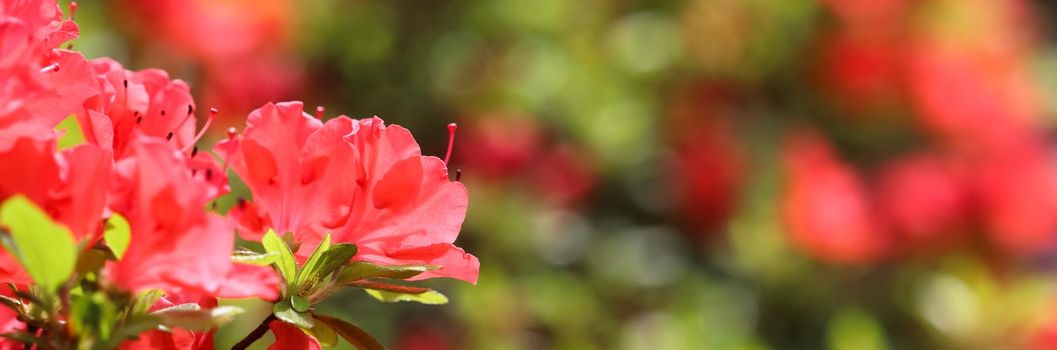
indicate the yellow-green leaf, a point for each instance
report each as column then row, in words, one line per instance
column 249, row 257
column 286, row 263
column 285, row 311
column 72, row 134
column 430, row 297
column 45, row 248
column 324, row 334
column 117, row 234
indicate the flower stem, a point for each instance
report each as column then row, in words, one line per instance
column 256, row 334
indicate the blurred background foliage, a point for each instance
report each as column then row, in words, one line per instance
column 698, row 174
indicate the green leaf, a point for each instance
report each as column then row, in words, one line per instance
column 299, row 303
column 854, row 329
column 331, row 260
column 324, row 334
column 352, row 334
column 193, row 317
column 388, row 287
column 312, row 264
column 93, row 316
column 91, row 261
column 117, row 234
column 360, row 270
column 429, row 297
column 145, row 300
column 286, row 263
column 44, row 248
column 249, row 257
column 72, row 135
column 285, row 311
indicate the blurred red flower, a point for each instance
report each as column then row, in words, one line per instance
column 422, row 336
column 706, row 169
column 216, row 30
column 971, row 97
column 504, row 149
column 861, row 73
column 241, row 46
column 827, row 207
column 925, row 199
column 1017, row 186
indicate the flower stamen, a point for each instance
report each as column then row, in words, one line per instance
column 451, row 142
column 54, row 67
column 209, row 121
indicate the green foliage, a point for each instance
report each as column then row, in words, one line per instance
column 429, row 297
column 72, row 134
column 246, row 256
column 93, row 315
column 855, row 330
column 285, row 311
column 322, row 265
column 360, row 270
column 286, row 264
column 299, row 303
column 44, row 248
column 324, row 334
column 117, row 234
column 352, row 334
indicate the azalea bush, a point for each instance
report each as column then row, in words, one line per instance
column 674, row 174
column 111, row 228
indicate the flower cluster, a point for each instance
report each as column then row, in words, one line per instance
column 111, row 238
column 983, row 165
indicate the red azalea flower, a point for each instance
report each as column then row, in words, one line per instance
column 925, row 200
column 422, row 336
column 216, row 30
column 175, row 245
column 145, row 101
column 498, row 148
column 241, row 46
column 876, row 14
column 289, row 337
column 705, row 165
column 510, row 150
column 1043, row 336
column 1017, row 186
column 362, row 181
column 978, row 90
column 563, row 175
column 827, row 208
column 972, row 97
column 861, row 72
column 70, row 186
column 38, row 83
